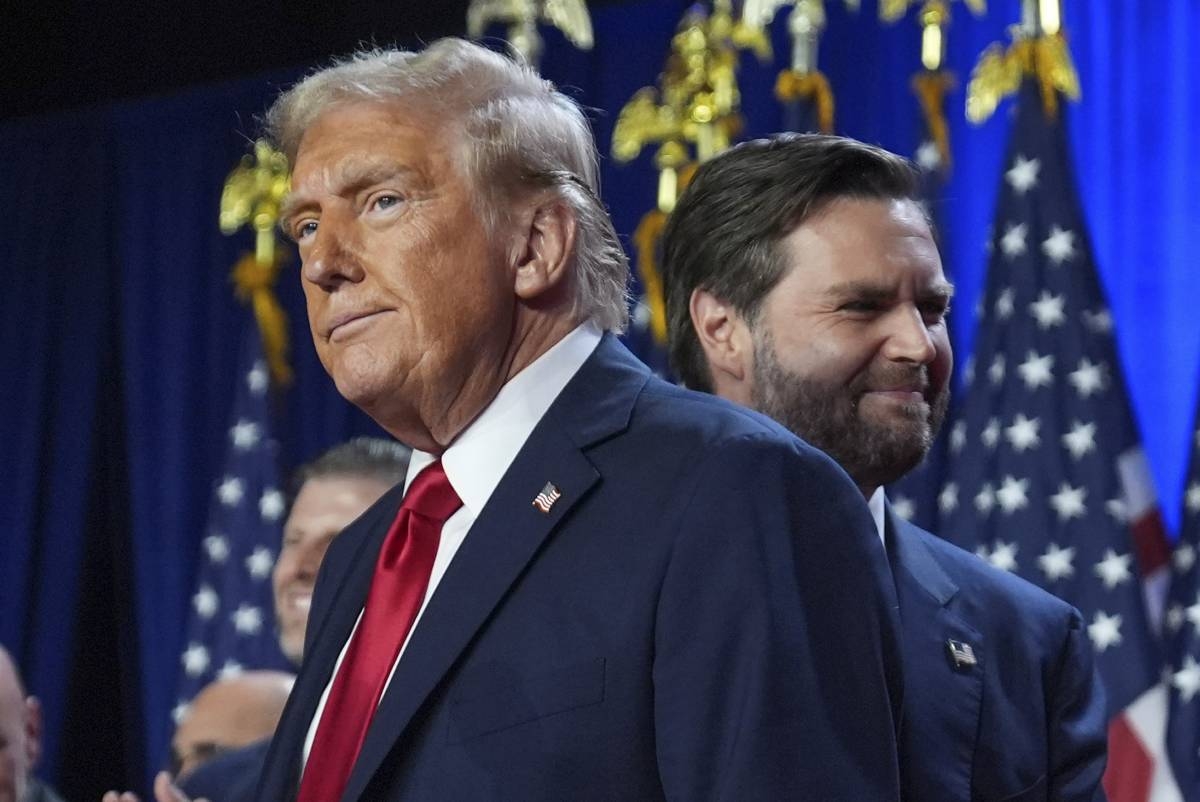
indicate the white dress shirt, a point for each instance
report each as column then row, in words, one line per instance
column 876, row 504
column 479, row 457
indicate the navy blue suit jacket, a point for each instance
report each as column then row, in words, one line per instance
column 229, row 777
column 1027, row 721
column 705, row 613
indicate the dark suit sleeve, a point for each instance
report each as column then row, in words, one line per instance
column 775, row 671
column 1077, row 718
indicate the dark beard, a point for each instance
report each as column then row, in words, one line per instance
column 872, row 452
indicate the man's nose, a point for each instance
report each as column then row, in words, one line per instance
column 908, row 337
column 332, row 258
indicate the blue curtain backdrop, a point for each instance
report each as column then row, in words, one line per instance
column 120, row 329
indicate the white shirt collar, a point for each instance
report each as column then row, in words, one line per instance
column 876, row 504
column 480, row 455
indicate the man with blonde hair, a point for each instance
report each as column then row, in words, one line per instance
column 592, row 585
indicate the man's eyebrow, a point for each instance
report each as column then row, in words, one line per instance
column 876, row 291
column 861, row 289
column 350, row 178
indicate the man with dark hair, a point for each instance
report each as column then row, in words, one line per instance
column 594, row 585
column 802, row 279
column 328, row 493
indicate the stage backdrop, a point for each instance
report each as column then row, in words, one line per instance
column 120, row 330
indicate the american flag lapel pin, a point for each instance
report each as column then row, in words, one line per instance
column 961, row 654
column 545, row 499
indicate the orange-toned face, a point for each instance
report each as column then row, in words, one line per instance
column 410, row 299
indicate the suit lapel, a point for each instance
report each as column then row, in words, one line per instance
column 942, row 697
column 505, row 537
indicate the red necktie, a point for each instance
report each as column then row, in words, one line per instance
column 397, row 590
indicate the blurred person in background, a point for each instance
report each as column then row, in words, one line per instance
column 20, row 739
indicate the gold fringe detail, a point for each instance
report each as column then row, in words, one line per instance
column 999, row 74
column 645, row 241
column 931, row 89
column 793, row 86
column 254, row 281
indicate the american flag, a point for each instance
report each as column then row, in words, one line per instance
column 1183, row 638
column 1045, row 476
column 232, row 621
column 545, row 499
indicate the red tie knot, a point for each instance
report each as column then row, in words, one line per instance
column 430, row 494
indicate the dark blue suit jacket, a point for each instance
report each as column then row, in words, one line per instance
column 705, row 613
column 229, row 777
column 1027, row 721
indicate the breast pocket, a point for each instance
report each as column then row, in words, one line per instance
column 1034, row 793
column 501, row 698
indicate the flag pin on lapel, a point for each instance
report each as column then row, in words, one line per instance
column 961, row 654
column 545, row 499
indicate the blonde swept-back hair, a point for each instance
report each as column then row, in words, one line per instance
column 519, row 133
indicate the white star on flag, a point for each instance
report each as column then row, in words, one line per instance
column 1012, row 244
column 1187, row 679
column 1023, row 434
column 996, row 371
column 205, row 602
column 969, row 372
column 1193, row 613
column 260, row 562
column 1183, row 557
column 958, row 436
column 991, row 433
column 1004, row 303
column 985, row 499
column 1012, row 494
column 1118, row 509
column 245, row 435
column 1068, row 502
column 1193, row 497
column 271, row 504
column 1048, row 310
column 1100, row 321
column 230, row 669
column 217, row 548
column 1105, row 630
column 1174, row 617
column 1113, row 569
column 179, row 711
column 195, row 659
column 1056, row 562
column 928, row 156
column 1036, row 370
column 948, row 498
column 1023, row 175
column 1081, row 440
column 1088, row 378
column 257, row 379
column 1004, row 556
column 230, row 491
column 904, row 507
column 1059, row 246
column 247, row 620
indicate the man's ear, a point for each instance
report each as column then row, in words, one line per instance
column 33, row 731
column 545, row 248
column 727, row 344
